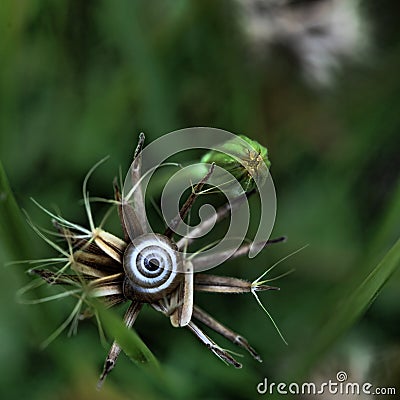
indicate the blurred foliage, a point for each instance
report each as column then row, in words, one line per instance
column 80, row 79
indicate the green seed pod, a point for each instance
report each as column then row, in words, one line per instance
column 243, row 158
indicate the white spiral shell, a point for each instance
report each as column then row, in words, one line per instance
column 153, row 268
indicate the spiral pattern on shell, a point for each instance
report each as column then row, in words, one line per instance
column 153, row 268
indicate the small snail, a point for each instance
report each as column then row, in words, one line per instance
column 153, row 268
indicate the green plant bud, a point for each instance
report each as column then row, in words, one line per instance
column 244, row 159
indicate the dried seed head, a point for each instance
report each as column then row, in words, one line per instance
column 151, row 268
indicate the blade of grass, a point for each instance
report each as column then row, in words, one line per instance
column 388, row 228
column 347, row 312
column 136, row 350
column 128, row 339
column 13, row 229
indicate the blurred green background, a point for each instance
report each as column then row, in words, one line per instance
column 80, row 79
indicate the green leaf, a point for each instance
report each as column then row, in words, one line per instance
column 388, row 228
column 128, row 339
column 348, row 311
column 13, row 229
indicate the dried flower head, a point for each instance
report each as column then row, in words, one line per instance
column 143, row 267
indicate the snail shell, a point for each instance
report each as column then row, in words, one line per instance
column 153, row 268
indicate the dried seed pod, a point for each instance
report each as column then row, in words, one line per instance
column 246, row 159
